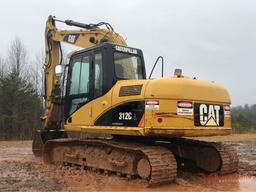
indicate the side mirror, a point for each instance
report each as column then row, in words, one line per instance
column 58, row 70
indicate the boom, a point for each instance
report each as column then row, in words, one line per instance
column 89, row 36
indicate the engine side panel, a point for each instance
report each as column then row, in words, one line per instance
column 136, row 107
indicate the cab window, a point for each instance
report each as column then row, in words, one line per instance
column 98, row 75
column 75, row 75
column 84, row 75
column 79, row 82
column 127, row 66
column 78, row 93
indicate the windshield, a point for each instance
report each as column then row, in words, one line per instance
column 127, row 66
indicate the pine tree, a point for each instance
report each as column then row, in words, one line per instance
column 20, row 105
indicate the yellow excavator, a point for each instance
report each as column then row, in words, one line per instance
column 125, row 123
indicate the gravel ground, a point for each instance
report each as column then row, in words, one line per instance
column 17, row 176
column 247, row 157
column 21, row 171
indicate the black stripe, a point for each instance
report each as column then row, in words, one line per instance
column 126, row 114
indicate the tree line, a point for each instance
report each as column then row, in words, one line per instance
column 21, row 101
column 20, row 98
column 244, row 118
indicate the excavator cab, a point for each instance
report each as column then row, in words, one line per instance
column 94, row 71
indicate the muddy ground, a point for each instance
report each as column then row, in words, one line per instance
column 21, row 171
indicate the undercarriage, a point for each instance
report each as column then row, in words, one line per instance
column 155, row 160
column 153, row 163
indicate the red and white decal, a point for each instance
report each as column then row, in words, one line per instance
column 227, row 107
column 227, row 110
column 185, row 104
column 152, row 104
column 184, row 108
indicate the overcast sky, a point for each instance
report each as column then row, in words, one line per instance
column 208, row 39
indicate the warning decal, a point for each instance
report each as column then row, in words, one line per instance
column 152, row 104
column 184, row 108
column 227, row 110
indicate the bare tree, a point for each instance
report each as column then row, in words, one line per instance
column 17, row 55
column 1, row 67
column 37, row 75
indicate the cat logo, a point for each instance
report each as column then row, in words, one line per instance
column 208, row 115
column 71, row 38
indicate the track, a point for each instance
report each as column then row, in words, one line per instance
column 208, row 156
column 229, row 158
column 153, row 163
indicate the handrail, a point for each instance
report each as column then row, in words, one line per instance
column 160, row 57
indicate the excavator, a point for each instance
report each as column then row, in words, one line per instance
column 102, row 113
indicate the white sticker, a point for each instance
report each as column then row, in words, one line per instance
column 184, row 108
column 126, row 49
column 227, row 110
column 227, row 113
column 184, row 111
column 152, row 105
column 125, row 116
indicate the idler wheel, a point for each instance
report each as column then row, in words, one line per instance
column 144, row 168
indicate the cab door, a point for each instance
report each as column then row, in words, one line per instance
column 102, row 96
column 79, row 90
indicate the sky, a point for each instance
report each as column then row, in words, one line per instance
column 209, row 39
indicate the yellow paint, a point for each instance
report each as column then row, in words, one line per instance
column 167, row 91
column 187, row 89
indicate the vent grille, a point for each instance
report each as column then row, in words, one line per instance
column 130, row 90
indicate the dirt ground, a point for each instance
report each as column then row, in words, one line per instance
column 21, row 171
